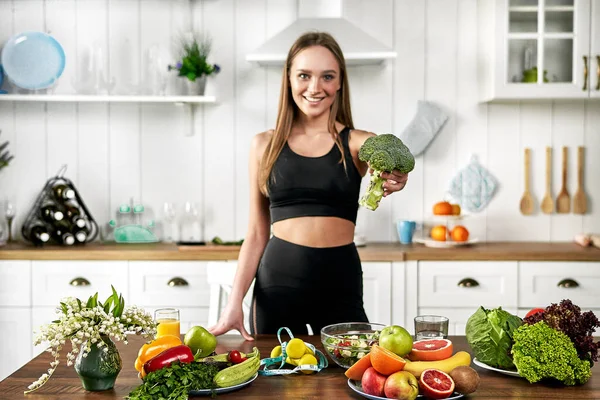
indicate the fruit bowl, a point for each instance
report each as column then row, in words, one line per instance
column 347, row 342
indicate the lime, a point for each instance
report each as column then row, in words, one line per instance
column 295, row 348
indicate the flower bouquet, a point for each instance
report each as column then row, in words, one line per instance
column 91, row 328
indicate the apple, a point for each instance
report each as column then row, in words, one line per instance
column 373, row 382
column 401, row 385
column 200, row 341
column 396, row 339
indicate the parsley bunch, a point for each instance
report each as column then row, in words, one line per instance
column 174, row 382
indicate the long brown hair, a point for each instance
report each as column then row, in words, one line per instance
column 287, row 110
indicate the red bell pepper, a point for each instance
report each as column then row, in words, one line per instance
column 180, row 353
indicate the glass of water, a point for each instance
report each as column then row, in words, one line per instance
column 431, row 327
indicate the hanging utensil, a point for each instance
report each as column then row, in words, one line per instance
column 579, row 199
column 563, row 201
column 547, row 202
column 527, row 201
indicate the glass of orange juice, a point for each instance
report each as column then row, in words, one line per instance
column 168, row 322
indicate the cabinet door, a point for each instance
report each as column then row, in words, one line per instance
column 377, row 291
column 15, row 346
column 541, row 48
column 15, row 283
column 595, row 51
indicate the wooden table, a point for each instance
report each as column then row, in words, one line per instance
column 327, row 384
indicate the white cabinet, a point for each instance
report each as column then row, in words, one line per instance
column 595, row 51
column 377, row 291
column 534, row 49
column 15, row 319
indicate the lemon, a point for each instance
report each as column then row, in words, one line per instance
column 276, row 352
column 307, row 359
column 295, row 348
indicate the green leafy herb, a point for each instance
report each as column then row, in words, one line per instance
column 174, row 382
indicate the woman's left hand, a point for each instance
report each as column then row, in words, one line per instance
column 395, row 181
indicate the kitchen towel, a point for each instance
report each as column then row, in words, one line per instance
column 423, row 128
column 473, row 187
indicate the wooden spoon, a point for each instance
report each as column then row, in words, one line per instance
column 579, row 199
column 527, row 202
column 563, row 201
column 547, row 202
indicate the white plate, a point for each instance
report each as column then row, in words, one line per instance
column 444, row 245
column 502, row 371
column 357, row 387
column 208, row 392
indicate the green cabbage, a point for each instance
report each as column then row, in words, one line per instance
column 490, row 335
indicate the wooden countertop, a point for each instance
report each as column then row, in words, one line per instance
column 330, row 383
column 493, row 251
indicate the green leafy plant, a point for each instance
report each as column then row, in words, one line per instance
column 90, row 323
column 5, row 156
column 195, row 50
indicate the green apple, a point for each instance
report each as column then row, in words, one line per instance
column 396, row 339
column 201, row 341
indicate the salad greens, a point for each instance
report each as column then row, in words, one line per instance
column 349, row 348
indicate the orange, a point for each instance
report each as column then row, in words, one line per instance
column 384, row 361
column 459, row 234
column 442, row 208
column 431, row 350
column 439, row 233
column 455, row 209
column 356, row 371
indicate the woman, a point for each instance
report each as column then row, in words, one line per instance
column 305, row 180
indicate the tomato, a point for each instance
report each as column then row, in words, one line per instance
column 534, row 311
column 235, row 357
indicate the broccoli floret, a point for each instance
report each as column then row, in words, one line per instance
column 541, row 352
column 383, row 153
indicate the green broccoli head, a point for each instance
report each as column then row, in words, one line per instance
column 384, row 152
column 541, row 352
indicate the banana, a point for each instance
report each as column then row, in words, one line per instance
column 447, row 365
column 239, row 373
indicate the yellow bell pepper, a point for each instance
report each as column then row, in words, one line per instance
column 154, row 348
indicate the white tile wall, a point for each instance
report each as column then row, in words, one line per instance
column 118, row 151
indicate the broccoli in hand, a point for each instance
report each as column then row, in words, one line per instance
column 384, row 153
column 541, row 352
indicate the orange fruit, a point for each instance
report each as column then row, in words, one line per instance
column 439, row 233
column 455, row 209
column 384, row 361
column 459, row 234
column 442, row 208
column 431, row 350
column 356, row 371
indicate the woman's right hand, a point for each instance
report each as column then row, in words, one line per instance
column 231, row 318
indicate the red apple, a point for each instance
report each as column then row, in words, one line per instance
column 401, row 385
column 372, row 382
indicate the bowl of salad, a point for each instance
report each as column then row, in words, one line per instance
column 348, row 342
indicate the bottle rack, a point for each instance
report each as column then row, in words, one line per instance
column 75, row 221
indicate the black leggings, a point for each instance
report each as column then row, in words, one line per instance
column 298, row 285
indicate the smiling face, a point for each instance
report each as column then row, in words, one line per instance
column 314, row 80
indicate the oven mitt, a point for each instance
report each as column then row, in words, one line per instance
column 428, row 121
column 279, row 365
column 473, row 187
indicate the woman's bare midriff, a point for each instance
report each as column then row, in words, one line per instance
column 315, row 231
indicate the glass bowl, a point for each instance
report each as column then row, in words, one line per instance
column 347, row 342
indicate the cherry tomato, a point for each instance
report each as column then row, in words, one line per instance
column 534, row 311
column 235, row 357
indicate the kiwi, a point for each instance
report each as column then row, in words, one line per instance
column 466, row 379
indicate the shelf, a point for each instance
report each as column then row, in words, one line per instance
column 76, row 98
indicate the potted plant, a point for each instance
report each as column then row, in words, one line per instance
column 193, row 63
column 91, row 327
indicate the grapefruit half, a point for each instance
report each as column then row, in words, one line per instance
column 436, row 384
column 431, row 350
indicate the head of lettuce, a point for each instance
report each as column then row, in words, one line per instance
column 490, row 335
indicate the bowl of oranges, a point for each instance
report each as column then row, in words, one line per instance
column 448, row 232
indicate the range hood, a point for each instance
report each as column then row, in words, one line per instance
column 359, row 47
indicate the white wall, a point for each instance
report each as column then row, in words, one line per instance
column 118, row 151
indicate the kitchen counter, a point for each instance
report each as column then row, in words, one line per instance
column 329, row 383
column 493, row 251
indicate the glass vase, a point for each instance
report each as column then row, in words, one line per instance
column 99, row 370
column 196, row 87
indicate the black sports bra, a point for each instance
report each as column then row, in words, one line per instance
column 302, row 186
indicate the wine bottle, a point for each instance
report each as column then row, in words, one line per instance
column 81, row 236
column 72, row 210
column 62, row 233
column 39, row 234
column 78, row 221
column 51, row 213
column 63, row 192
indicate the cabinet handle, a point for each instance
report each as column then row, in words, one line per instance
column 568, row 284
column 598, row 73
column 585, row 72
column 177, row 281
column 468, row 282
column 79, row 281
